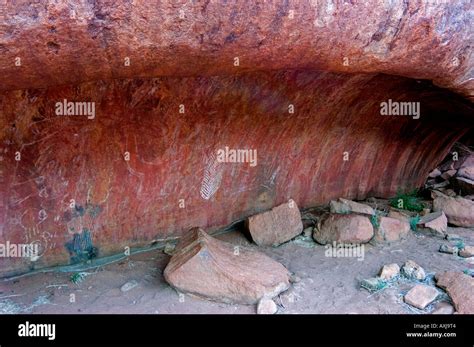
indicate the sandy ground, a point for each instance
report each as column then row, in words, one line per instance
column 327, row 285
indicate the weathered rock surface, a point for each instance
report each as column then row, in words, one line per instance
column 391, row 229
column 397, row 214
column 345, row 206
column 280, row 224
column 266, row 306
column 466, row 169
column 466, row 251
column 435, row 173
column 344, row 229
column 448, row 249
column 373, row 284
column 443, row 307
column 204, row 38
column 459, row 211
column 460, row 288
column 389, row 271
column 435, row 221
column 139, row 62
column 209, row 268
column 421, row 296
column 413, row 271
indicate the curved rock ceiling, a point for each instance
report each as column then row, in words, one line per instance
column 299, row 82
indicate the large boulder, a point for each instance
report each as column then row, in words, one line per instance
column 344, row 229
column 460, row 288
column 280, row 224
column 458, row 210
column 217, row 270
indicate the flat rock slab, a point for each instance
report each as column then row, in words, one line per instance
column 436, row 221
column 219, row 271
column 274, row 227
column 460, row 288
column 344, row 228
column 421, row 296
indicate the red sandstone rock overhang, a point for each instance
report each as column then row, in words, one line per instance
column 140, row 61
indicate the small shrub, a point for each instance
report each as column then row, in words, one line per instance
column 414, row 221
column 407, row 201
column 374, row 219
column 78, row 277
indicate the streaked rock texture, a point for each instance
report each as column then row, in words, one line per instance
column 216, row 270
column 74, row 192
column 64, row 42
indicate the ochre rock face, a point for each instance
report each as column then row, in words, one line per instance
column 63, row 42
column 146, row 166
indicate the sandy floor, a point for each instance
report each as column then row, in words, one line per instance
column 327, row 285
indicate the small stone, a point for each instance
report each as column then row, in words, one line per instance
column 420, row 296
column 373, row 284
column 467, row 251
column 289, row 297
column 443, row 307
column 295, row 278
column 129, row 285
column 440, row 185
column 425, row 211
column 308, row 232
column 448, row 249
column 389, row 272
column 169, row 249
column 413, row 271
column 435, row 173
column 266, row 306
